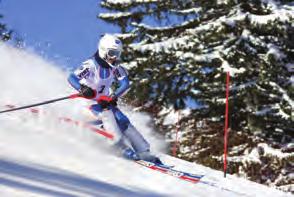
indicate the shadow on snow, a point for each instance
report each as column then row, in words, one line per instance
column 56, row 182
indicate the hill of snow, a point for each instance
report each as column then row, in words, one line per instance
column 41, row 156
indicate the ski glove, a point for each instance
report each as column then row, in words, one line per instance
column 113, row 100
column 105, row 101
column 87, row 92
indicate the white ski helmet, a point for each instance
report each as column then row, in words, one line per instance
column 109, row 47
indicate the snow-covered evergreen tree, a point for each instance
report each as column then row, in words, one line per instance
column 178, row 53
column 5, row 34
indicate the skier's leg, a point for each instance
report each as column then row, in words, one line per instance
column 96, row 109
column 139, row 144
column 120, row 143
column 137, row 141
column 110, row 124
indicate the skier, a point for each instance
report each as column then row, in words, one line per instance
column 94, row 80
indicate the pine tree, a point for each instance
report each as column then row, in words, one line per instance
column 181, row 50
column 5, row 34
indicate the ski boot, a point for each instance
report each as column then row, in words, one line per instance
column 98, row 123
column 130, row 154
column 147, row 156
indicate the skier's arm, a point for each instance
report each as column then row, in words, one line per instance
column 124, row 85
column 82, row 72
column 74, row 81
column 123, row 81
column 75, row 78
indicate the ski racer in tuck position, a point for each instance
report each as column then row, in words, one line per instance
column 94, row 80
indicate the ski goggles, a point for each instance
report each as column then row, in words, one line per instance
column 112, row 53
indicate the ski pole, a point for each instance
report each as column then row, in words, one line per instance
column 43, row 103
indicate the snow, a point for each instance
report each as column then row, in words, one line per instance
column 264, row 19
column 253, row 156
column 125, row 3
column 166, row 45
column 270, row 3
column 278, row 13
column 188, row 11
column 290, row 67
column 274, row 152
column 285, row 96
column 130, row 64
column 126, row 35
column 165, row 28
column 243, row 86
column 41, row 156
column 171, row 117
column 229, row 68
column 237, row 149
column 115, row 15
column 223, row 2
column 129, row 1
column 263, row 111
column 275, row 51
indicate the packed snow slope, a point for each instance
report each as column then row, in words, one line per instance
column 41, row 156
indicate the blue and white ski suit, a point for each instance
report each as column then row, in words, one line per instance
column 98, row 75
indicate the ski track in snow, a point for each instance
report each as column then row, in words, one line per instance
column 40, row 156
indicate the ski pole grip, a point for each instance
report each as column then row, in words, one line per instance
column 73, row 96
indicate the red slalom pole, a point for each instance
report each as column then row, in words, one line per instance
column 226, row 123
column 42, row 103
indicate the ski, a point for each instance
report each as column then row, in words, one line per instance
column 172, row 172
column 71, row 121
column 88, row 126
